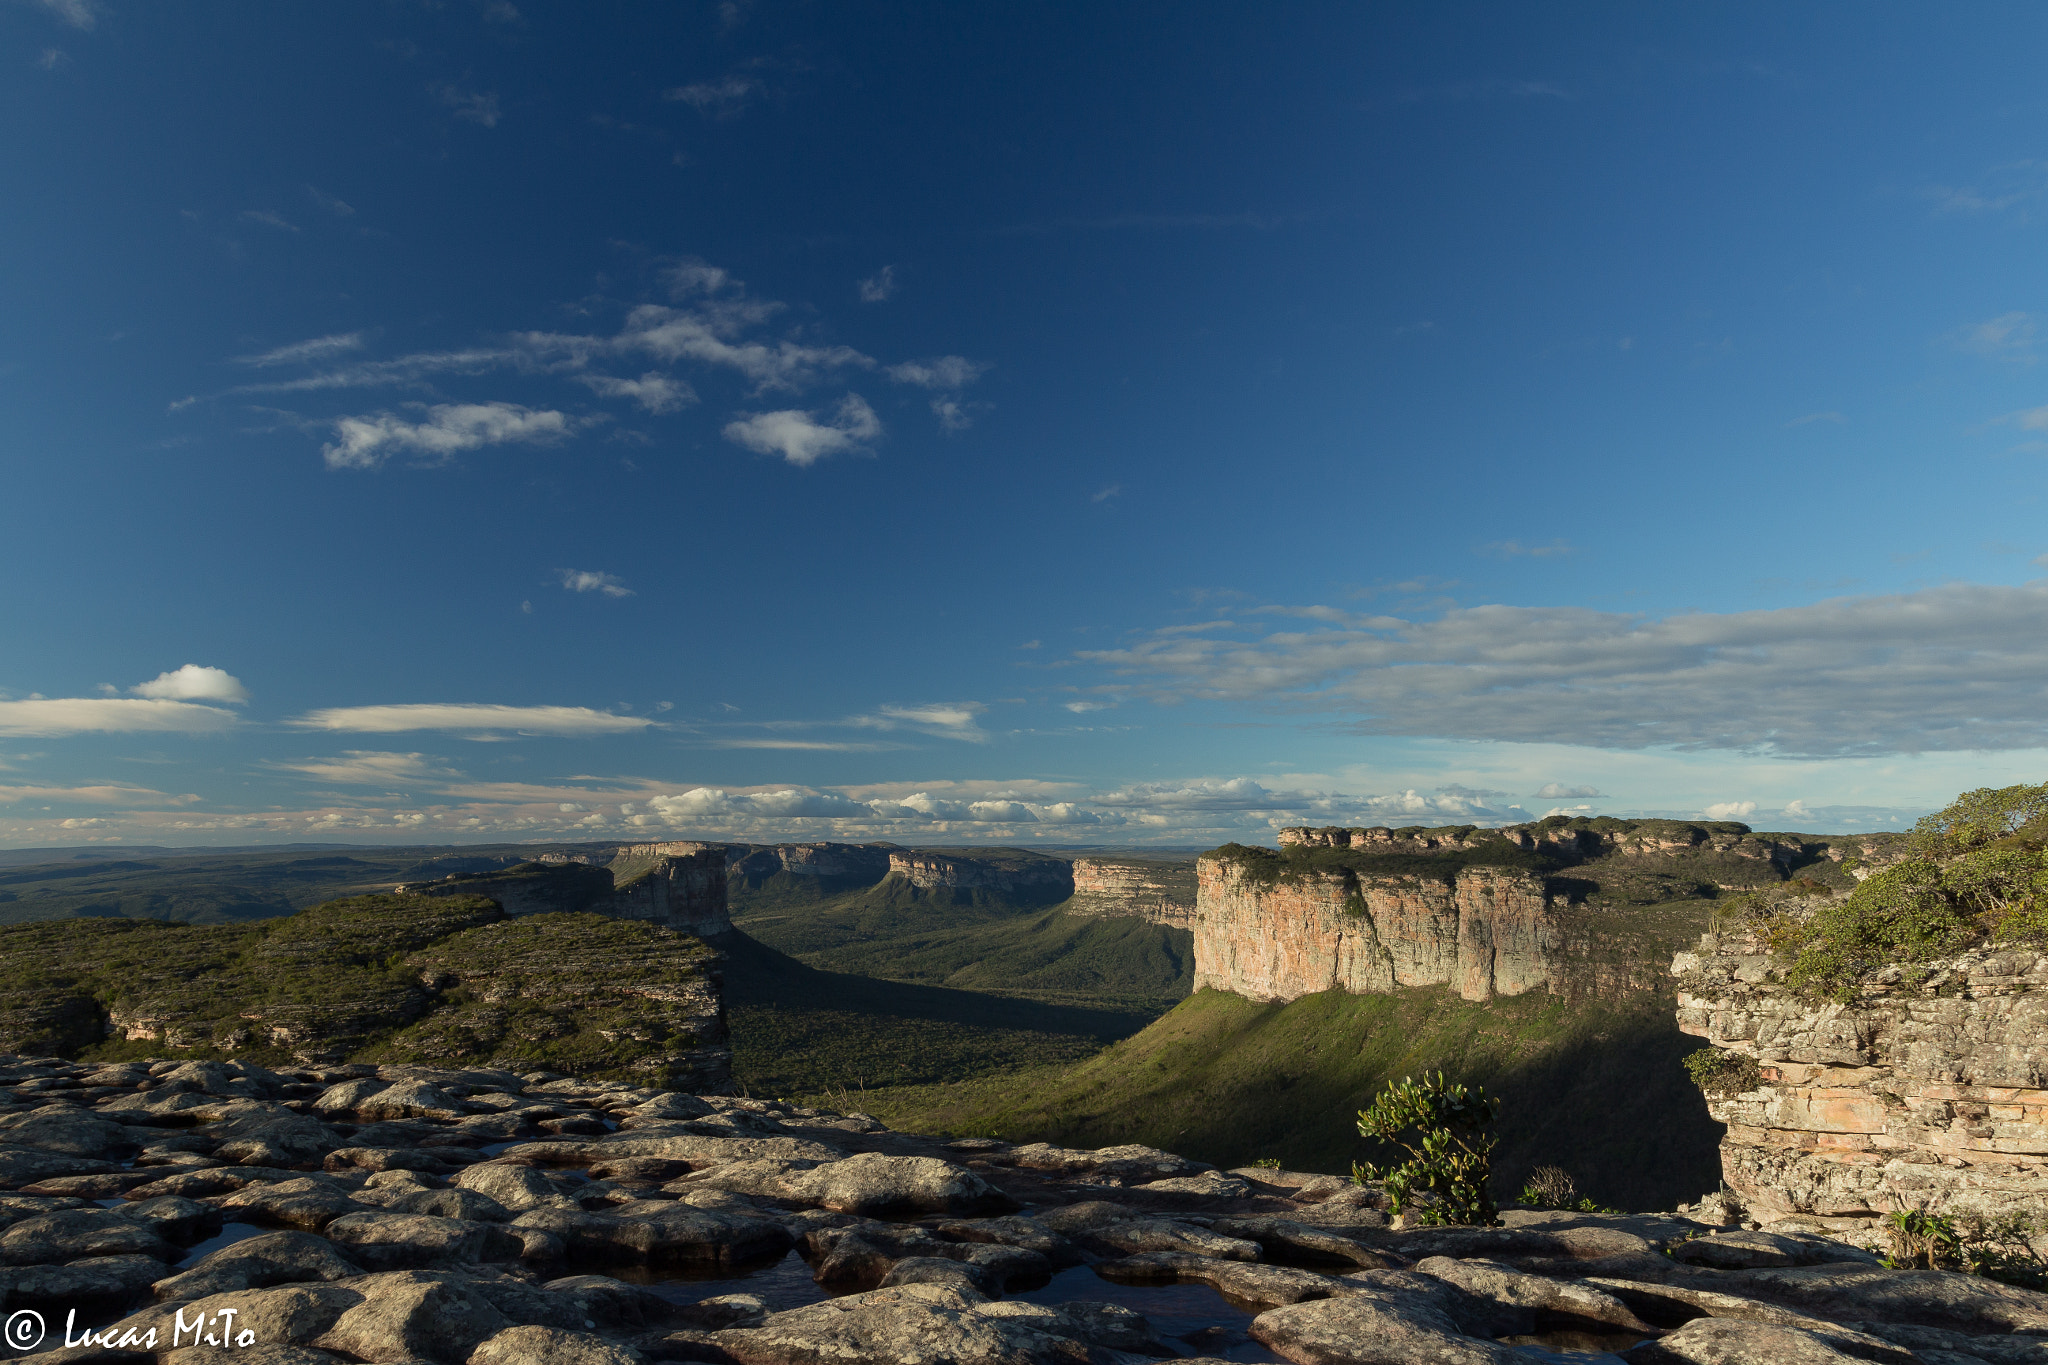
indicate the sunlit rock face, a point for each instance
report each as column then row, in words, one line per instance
column 1163, row 893
column 676, row 886
column 1930, row 1094
column 1486, row 931
column 1043, row 877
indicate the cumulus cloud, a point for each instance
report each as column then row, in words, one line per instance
column 877, row 287
column 366, row 442
column 654, row 391
column 583, row 580
column 308, row 352
column 803, row 438
column 709, row 333
column 194, row 683
column 469, row 716
column 1730, row 810
column 51, row 717
column 1948, row 668
column 1558, row 791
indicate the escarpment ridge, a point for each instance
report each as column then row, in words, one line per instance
column 1569, row 906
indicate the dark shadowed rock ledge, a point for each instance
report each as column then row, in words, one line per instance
column 404, row 1213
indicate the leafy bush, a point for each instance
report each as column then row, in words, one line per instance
column 1548, row 1187
column 1974, row 870
column 1722, row 1074
column 1451, row 1156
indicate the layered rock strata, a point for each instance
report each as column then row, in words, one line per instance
column 1485, row 932
column 1043, row 878
column 481, row 1217
column 1163, row 893
column 1928, row 1093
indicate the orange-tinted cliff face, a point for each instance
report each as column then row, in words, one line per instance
column 1487, row 931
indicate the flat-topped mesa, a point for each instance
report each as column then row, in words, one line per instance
column 1486, row 931
column 1045, row 877
column 1930, row 1095
column 852, row 863
column 1572, row 841
column 676, row 886
column 1163, row 893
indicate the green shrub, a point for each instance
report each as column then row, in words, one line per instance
column 1451, row 1156
column 1722, row 1074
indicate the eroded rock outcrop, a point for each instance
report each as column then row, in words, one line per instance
column 1041, row 878
column 1927, row 1093
column 677, row 886
column 1486, row 931
column 1161, row 892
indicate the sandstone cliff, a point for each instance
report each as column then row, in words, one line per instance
column 1931, row 1095
column 1487, row 931
column 1027, row 876
column 1161, row 892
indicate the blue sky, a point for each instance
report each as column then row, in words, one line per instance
column 1056, row 424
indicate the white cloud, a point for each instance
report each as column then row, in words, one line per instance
column 708, row 333
column 1083, row 707
column 2009, row 336
column 953, row 415
column 370, row 767
column 306, row 352
column 1558, row 791
column 194, row 683
column 80, row 14
column 1948, row 668
column 1105, row 493
column 109, row 794
column 801, row 437
column 470, row 716
column 877, row 287
column 947, row 720
column 366, row 442
column 583, row 580
column 1730, row 810
column 654, row 391
column 52, row 58
column 479, row 106
column 269, row 218
column 104, row 715
column 940, row 372
column 723, row 98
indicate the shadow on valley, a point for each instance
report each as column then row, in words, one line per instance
column 1595, row 1087
column 799, row 1030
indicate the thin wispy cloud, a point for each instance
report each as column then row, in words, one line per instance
column 583, row 580
column 1957, row 667
column 59, row 716
column 80, row 14
column 310, row 352
column 102, row 794
column 269, row 218
column 947, row 720
column 340, row 208
column 2006, row 188
column 2010, row 337
column 471, row 106
column 723, row 98
column 371, row 768
column 878, row 287
column 1106, row 493
column 460, row 717
column 654, row 391
column 804, row 438
column 940, row 372
column 449, row 428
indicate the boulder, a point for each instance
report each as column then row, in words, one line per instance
column 76, row 1233
column 677, row 1233
column 301, row 1203
column 287, row 1315
column 68, row 1129
column 1245, row 1281
column 1284, row 1240
column 1723, row 1341
column 1556, row 1298
column 1847, row 1293
column 905, row 1323
column 412, row 1315
column 258, row 1263
column 615, row 1305
column 874, row 1185
column 1375, row 1327
column 95, row 1286
column 513, row 1185
column 1741, row 1250
column 1025, row 1233
column 530, row 1345
column 344, row 1097
column 414, row 1241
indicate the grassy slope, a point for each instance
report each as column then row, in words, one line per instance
column 800, row 1031
column 1595, row 1088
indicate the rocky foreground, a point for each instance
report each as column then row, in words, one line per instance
column 406, row 1214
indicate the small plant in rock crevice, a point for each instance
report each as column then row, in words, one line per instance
column 1722, row 1074
column 1446, row 1130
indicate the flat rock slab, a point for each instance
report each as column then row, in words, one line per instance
column 914, row 1324
column 1721, row 1341
column 257, row 1263
column 1566, row 1298
column 1934, row 1298
column 1374, row 1327
column 1262, row 1286
column 873, row 1185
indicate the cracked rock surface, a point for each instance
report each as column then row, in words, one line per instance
column 477, row 1217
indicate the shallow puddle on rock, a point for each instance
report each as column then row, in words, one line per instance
column 229, row 1234
column 782, row 1285
column 1566, row 1347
